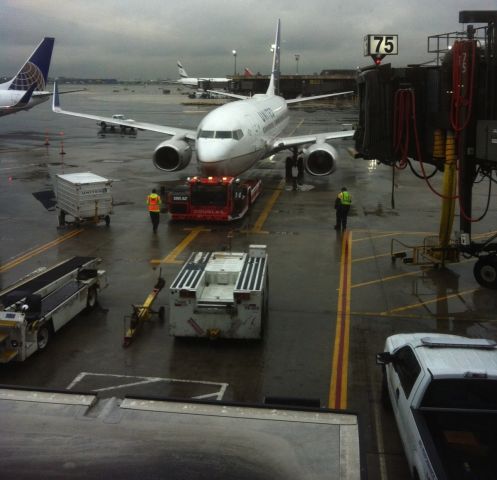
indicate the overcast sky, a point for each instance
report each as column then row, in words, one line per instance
column 142, row 39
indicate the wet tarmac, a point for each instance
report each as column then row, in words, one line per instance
column 324, row 327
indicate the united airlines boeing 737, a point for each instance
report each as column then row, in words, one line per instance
column 27, row 88
column 233, row 137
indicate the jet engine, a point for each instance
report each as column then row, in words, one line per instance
column 172, row 155
column 320, row 159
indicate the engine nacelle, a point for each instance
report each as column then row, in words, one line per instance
column 320, row 159
column 172, row 155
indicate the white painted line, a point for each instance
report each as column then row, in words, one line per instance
column 219, row 394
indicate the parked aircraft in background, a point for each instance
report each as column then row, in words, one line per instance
column 199, row 82
column 233, row 137
column 27, row 88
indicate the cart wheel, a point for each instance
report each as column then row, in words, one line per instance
column 43, row 337
column 62, row 218
column 162, row 314
column 485, row 271
column 91, row 300
column 107, row 220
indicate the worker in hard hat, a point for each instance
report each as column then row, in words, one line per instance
column 154, row 204
column 342, row 207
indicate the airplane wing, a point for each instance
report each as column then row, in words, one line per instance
column 188, row 134
column 283, row 143
column 317, row 97
column 231, row 95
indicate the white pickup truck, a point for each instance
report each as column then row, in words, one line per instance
column 443, row 393
column 118, row 117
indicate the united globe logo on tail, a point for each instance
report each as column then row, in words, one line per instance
column 29, row 75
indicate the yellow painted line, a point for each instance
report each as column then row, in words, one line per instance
column 386, row 279
column 378, row 236
column 400, row 275
column 428, row 302
column 171, row 258
column 38, row 250
column 418, row 316
column 340, row 363
column 363, row 230
column 267, row 209
column 372, row 257
column 483, row 235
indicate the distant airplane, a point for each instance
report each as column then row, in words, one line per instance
column 200, row 81
column 27, row 88
column 247, row 72
column 233, row 137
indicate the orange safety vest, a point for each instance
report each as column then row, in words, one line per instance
column 153, row 202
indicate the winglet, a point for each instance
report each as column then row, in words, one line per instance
column 274, row 82
column 55, row 100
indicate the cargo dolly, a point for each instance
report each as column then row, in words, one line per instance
column 36, row 307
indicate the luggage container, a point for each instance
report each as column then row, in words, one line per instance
column 84, row 197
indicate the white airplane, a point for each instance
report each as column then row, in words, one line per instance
column 200, row 82
column 27, row 88
column 233, row 137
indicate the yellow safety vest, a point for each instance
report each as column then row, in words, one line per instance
column 153, row 202
column 345, row 198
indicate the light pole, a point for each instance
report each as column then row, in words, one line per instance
column 234, row 56
column 297, row 57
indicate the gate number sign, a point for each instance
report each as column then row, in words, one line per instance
column 377, row 44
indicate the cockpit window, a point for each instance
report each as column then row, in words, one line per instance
column 237, row 134
column 206, row 134
column 224, row 134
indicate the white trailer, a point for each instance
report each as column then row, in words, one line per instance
column 220, row 294
column 42, row 303
column 84, row 196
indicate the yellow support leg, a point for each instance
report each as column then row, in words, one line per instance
column 449, row 190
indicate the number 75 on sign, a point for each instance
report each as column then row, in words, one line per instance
column 377, row 44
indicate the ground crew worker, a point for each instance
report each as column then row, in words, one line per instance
column 342, row 207
column 154, row 203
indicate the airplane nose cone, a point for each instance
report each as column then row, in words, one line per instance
column 214, row 157
column 212, row 151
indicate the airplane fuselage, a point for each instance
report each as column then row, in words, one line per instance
column 197, row 82
column 10, row 98
column 231, row 138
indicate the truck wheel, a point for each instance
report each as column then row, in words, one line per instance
column 485, row 271
column 91, row 300
column 107, row 220
column 43, row 337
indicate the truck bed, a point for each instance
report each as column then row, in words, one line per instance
column 461, row 443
